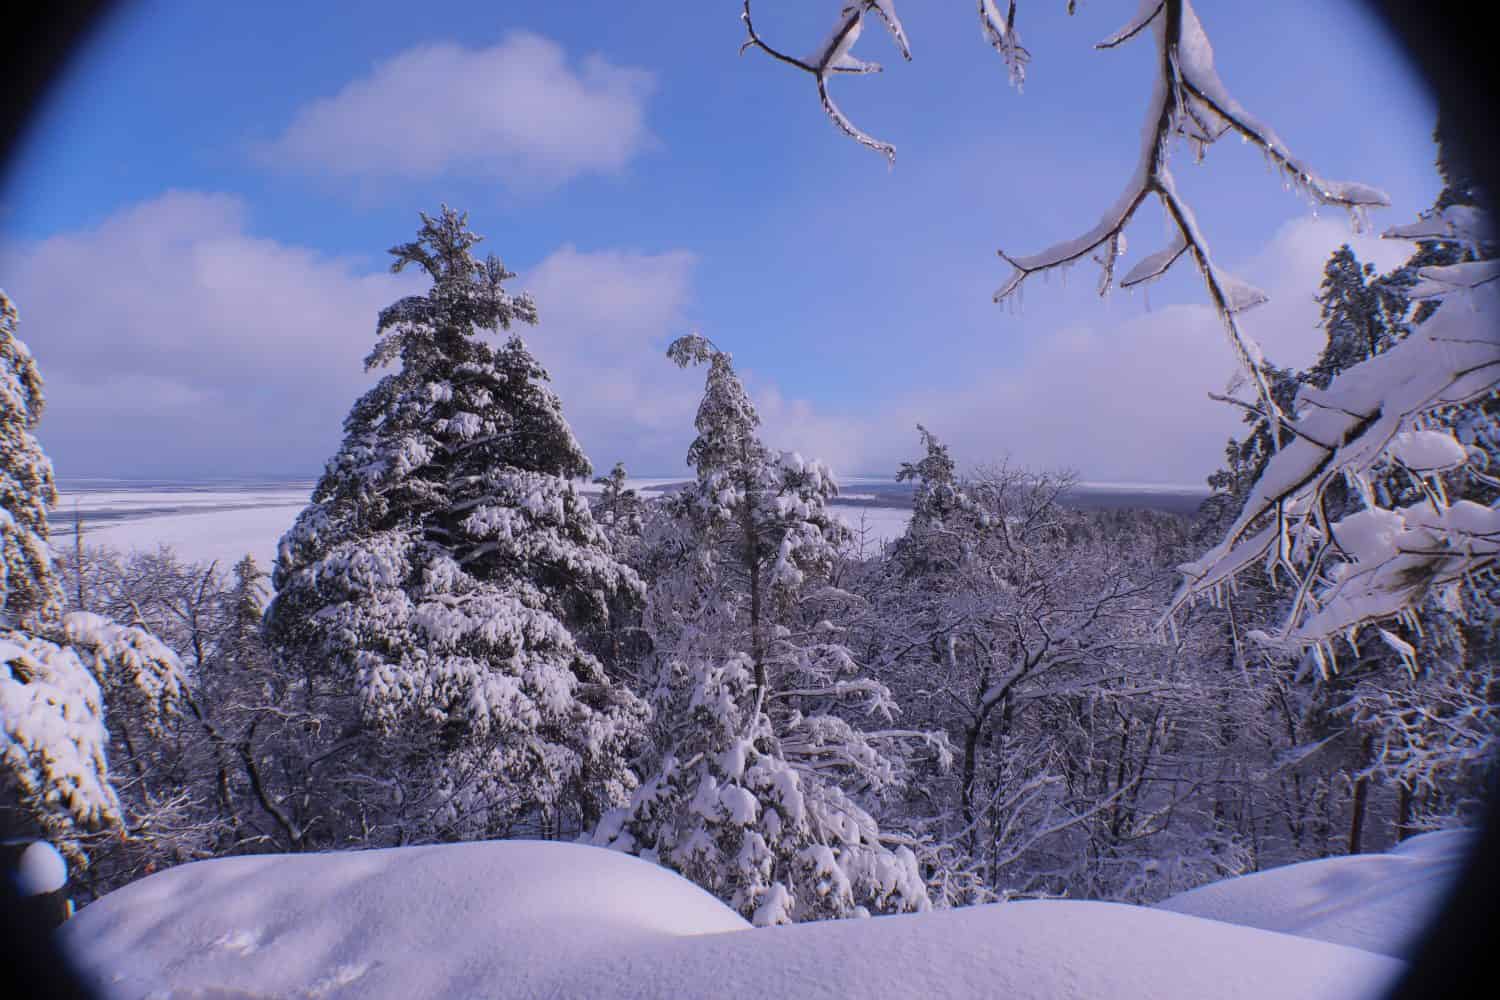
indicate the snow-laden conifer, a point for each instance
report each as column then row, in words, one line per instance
column 1361, row 314
column 53, row 743
column 765, row 769
column 28, row 590
column 447, row 563
column 54, row 772
column 619, row 509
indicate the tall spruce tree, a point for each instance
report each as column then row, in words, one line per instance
column 1361, row 314
column 55, row 669
column 54, row 778
column 764, row 774
column 29, row 591
column 447, row 562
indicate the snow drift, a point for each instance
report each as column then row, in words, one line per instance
column 528, row 919
column 1378, row 902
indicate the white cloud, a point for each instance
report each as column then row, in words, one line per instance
column 797, row 425
column 176, row 343
column 1126, row 401
column 516, row 109
column 173, row 342
column 606, row 318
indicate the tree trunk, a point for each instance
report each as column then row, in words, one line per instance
column 966, row 787
column 1403, row 811
column 752, row 564
column 1361, row 797
column 78, row 556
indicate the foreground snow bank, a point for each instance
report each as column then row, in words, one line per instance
column 520, row 919
column 452, row 920
column 1378, row 902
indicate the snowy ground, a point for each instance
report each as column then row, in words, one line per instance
column 1370, row 901
column 530, row 919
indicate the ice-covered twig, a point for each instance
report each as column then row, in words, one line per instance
column 1000, row 33
column 1157, row 264
column 1462, row 224
column 833, row 56
column 1147, row 12
column 1189, row 100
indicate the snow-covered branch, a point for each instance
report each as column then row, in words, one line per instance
column 833, row 56
column 1189, row 101
column 1379, row 561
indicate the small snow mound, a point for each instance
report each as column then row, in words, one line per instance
column 240, row 942
column 440, row 920
column 1438, row 845
column 40, row 870
column 1378, row 902
column 1042, row 950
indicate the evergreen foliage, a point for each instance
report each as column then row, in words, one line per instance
column 28, row 590
column 55, row 670
column 447, row 560
column 763, row 777
column 619, row 508
column 1361, row 315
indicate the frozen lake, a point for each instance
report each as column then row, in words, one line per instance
column 203, row 521
column 224, row 520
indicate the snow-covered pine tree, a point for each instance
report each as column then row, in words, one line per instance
column 930, row 543
column 54, row 774
column 29, row 591
column 619, row 508
column 763, row 775
column 447, row 562
column 247, row 608
column 1361, row 315
column 1245, row 459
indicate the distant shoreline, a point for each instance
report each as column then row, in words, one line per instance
column 103, row 501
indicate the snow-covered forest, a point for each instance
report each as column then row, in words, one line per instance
column 1016, row 700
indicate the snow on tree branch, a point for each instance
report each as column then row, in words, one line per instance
column 1462, row 224
column 53, row 743
column 1379, row 561
column 833, row 56
column 1000, row 32
column 1191, row 102
column 691, row 349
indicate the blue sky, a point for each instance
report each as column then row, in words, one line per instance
column 194, row 232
